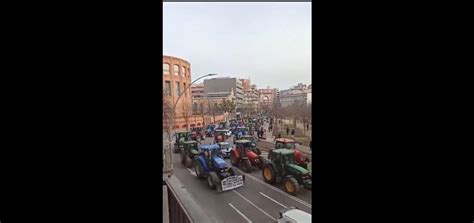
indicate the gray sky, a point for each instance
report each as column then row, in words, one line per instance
column 268, row 42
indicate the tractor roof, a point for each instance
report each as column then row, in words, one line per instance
column 247, row 136
column 283, row 151
column 223, row 143
column 209, row 147
column 243, row 141
column 178, row 132
column 284, row 140
column 190, row 142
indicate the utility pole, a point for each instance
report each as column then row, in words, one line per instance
column 169, row 158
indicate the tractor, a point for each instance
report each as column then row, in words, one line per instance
column 222, row 125
column 181, row 137
column 300, row 158
column 254, row 143
column 219, row 175
column 239, row 132
column 242, row 155
column 189, row 152
column 210, row 130
column 197, row 133
column 281, row 168
column 225, row 149
column 220, row 135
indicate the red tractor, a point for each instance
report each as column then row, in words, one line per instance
column 300, row 159
column 197, row 134
column 242, row 155
column 220, row 136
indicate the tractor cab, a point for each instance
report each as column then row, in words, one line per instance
column 191, row 147
column 244, row 145
column 189, row 152
column 225, row 149
column 254, row 143
column 242, row 131
column 212, row 156
column 181, row 137
column 220, row 135
column 197, row 133
column 282, row 143
column 282, row 168
column 210, row 130
column 222, row 125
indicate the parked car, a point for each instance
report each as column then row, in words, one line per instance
column 293, row 214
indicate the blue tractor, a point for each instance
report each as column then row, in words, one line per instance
column 220, row 176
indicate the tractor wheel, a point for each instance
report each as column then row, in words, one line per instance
column 218, row 187
column 188, row 162
column 199, row 170
column 268, row 174
column 212, row 180
column 291, row 185
column 233, row 159
column 246, row 165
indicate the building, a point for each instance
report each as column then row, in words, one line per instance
column 251, row 95
column 267, row 97
column 226, row 84
column 176, row 78
column 197, row 91
column 300, row 92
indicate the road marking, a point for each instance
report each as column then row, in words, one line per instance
column 276, row 189
column 241, row 214
column 273, row 200
column 191, row 172
column 242, row 196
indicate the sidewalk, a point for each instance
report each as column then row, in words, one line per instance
column 270, row 138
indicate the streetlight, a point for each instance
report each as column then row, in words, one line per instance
column 174, row 115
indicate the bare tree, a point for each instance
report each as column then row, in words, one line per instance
column 167, row 115
column 186, row 112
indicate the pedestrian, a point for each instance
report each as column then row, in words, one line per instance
column 279, row 136
column 287, row 131
column 310, row 145
column 293, row 132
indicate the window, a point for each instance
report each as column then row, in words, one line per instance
column 183, row 71
column 185, row 91
column 176, row 70
column 167, row 88
column 166, row 68
column 177, row 89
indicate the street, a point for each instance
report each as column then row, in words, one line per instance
column 256, row 201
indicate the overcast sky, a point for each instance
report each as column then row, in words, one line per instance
column 268, row 42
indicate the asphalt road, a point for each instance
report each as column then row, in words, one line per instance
column 256, row 201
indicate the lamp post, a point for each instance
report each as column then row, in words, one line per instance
column 169, row 158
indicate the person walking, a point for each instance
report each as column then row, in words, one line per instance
column 279, row 136
column 293, row 132
column 287, row 131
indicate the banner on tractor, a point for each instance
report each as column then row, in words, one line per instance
column 232, row 182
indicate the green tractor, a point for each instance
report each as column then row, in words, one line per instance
column 190, row 150
column 181, row 137
column 254, row 143
column 281, row 168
